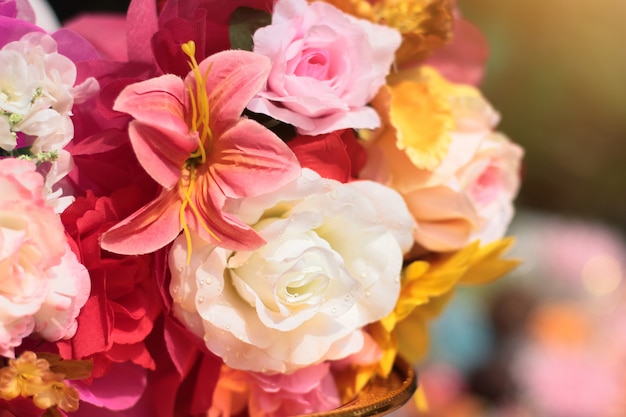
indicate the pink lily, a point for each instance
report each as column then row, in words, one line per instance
column 190, row 137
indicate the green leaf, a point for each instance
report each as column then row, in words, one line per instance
column 243, row 23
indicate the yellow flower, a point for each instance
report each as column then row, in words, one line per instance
column 24, row 376
column 42, row 378
column 424, row 24
column 417, row 120
column 422, row 113
column 427, row 286
column 58, row 394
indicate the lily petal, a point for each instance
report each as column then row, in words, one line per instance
column 159, row 133
column 234, row 78
column 159, row 102
column 162, row 153
column 230, row 231
column 249, row 160
column 148, row 229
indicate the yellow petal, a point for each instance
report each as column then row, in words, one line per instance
column 424, row 24
column 421, row 402
column 70, row 369
column 58, row 394
column 412, row 333
column 10, row 387
column 359, row 8
column 387, row 342
column 423, row 281
column 422, row 117
column 488, row 265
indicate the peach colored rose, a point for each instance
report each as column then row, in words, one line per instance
column 491, row 181
column 457, row 177
column 326, row 67
column 43, row 284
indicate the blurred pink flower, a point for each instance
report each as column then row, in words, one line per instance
column 567, row 246
column 462, row 60
column 190, row 137
column 566, row 382
column 308, row 390
column 43, row 284
column 326, row 67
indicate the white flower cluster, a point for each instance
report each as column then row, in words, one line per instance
column 36, row 97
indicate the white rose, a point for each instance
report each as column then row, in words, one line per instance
column 330, row 266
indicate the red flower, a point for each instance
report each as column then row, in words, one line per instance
column 203, row 21
column 124, row 300
column 337, row 155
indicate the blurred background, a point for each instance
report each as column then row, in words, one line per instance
column 557, row 73
column 549, row 340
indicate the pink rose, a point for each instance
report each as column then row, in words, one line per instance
column 464, row 58
column 327, row 66
column 43, row 284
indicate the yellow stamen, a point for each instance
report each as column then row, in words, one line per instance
column 199, row 101
column 183, row 222
column 200, row 122
column 188, row 202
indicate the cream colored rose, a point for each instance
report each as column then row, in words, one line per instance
column 330, row 266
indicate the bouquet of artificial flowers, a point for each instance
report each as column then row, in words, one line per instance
column 213, row 208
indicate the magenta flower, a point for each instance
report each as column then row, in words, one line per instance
column 190, row 137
